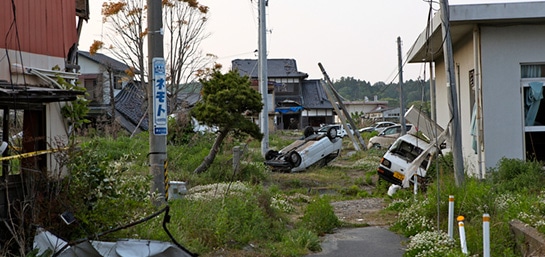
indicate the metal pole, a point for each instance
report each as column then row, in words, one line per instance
column 157, row 128
column 263, row 76
column 401, row 99
column 456, row 136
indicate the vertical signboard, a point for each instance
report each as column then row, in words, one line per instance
column 159, row 97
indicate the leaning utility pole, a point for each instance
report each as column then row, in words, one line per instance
column 401, row 99
column 262, row 77
column 456, row 136
column 344, row 115
column 157, row 101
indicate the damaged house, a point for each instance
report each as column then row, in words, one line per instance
column 37, row 66
column 294, row 101
column 500, row 67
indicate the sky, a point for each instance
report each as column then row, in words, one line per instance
column 350, row 38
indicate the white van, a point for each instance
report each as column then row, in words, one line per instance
column 395, row 163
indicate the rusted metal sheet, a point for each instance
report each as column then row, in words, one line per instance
column 45, row 27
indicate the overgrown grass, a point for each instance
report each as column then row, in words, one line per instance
column 110, row 181
column 511, row 191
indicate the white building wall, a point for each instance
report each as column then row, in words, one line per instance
column 463, row 64
column 57, row 137
column 25, row 59
column 92, row 67
column 504, row 49
column 88, row 67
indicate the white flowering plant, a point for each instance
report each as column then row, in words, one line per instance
column 431, row 244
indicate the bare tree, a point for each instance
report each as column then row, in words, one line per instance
column 185, row 22
column 127, row 22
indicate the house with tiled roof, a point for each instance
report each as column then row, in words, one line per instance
column 131, row 108
column 294, row 101
column 103, row 77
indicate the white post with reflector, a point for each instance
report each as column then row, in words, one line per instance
column 451, row 216
column 486, row 235
column 463, row 242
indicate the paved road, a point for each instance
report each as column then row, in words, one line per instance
column 362, row 242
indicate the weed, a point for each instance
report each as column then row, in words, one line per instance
column 320, row 217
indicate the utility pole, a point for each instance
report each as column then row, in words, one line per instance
column 157, row 101
column 401, row 98
column 344, row 115
column 263, row 76
column 456, row 136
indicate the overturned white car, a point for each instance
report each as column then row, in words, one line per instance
column 319, row 149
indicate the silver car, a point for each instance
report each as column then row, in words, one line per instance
column 387, row 137
column 378, row 127
column 311, row 149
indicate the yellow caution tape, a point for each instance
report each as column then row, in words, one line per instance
column 30, row 154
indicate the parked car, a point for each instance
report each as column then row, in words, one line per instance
column 387, row 137
column 311, row 149
column 395, row 163
column 378, row 127
column 340, row 129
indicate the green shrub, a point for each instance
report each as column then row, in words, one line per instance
column 514, row 175
column 319, row 216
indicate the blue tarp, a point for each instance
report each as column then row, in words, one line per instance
column 293, row 109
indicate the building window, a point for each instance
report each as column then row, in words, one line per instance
column 118, row 82
column 532, row 82
column 532, row 71
column 94, row 93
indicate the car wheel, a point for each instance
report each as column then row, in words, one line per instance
column 332, row 133
column 309, row 131
column 294, row 158
column 376, row 146
column 271, row 154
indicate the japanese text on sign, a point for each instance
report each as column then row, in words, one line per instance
column 159, row 97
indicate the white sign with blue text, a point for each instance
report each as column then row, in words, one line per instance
column 159, row 97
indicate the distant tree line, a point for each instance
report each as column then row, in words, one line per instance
column 414, row 92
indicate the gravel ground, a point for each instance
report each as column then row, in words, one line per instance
column 366, row 211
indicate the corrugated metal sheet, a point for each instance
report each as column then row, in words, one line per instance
column 45, row 27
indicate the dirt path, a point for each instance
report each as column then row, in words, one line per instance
column 366, row 211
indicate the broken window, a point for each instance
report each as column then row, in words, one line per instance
column 532, row 88
column 533, row 80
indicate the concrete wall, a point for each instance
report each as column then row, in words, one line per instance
column 504, row 49
column 463, row 64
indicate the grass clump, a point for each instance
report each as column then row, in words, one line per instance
column 320, row 217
